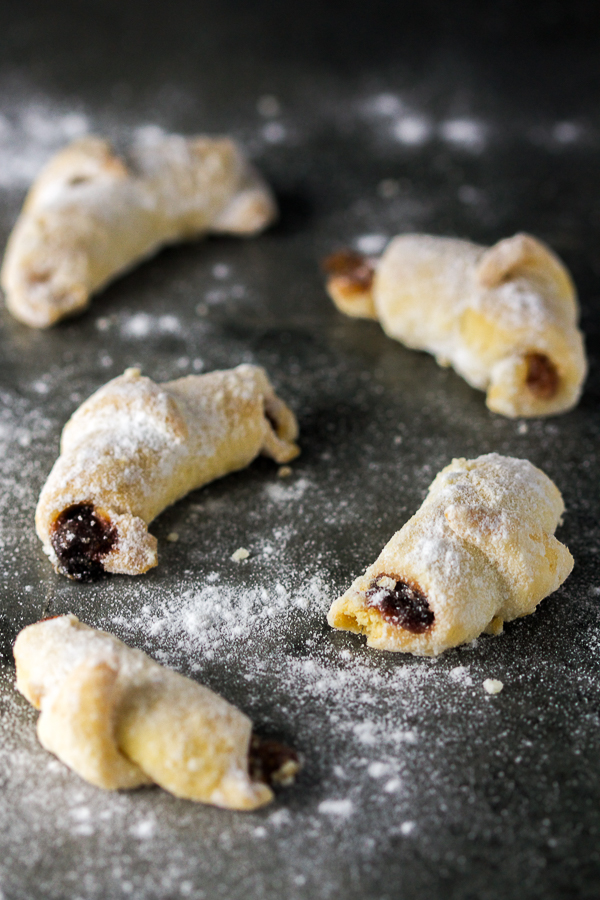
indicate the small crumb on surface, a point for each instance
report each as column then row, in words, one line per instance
column 173, row 537
column 240, row 554
column 522, row 428
column 284, row 472
column 492, row 686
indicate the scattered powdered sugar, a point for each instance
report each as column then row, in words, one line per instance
column 30, row 132
column 412, row 130
column 460, row 674
column 337, row 808
column 467, row 133
column 371, row 244
column 141, row 325
column 396, row 749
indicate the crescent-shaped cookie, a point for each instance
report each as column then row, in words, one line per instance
column 504, row 317
column 121, row 720
column 92, row 214
column 134, row 447
column 480, row 551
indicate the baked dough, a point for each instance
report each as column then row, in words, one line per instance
column 91, row 215
column 480, row 551
column 504, row 317
column 121, row 720
column 134, row 447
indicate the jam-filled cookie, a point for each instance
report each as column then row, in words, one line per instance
column 504, row 317
column 121, row 720
column 480, row 551
column 92, row 214
column 134, row 447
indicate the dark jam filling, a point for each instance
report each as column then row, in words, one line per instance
column 542, row 378
column 272, row 762
column 81, row 539
column 356, row 271
column 403, row 605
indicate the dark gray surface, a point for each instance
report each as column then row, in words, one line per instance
column 416, row 783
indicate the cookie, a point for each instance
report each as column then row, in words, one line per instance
column 91, row 215
column 121, row 720
column 479, row 552
column 135, row 447
column 504, row 317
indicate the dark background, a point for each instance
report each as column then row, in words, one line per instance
column 416, row 784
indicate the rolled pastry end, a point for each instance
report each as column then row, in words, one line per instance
column 350, row 283
column 394, row 613
column 281, row 430
column 532, row 383
column 86, row 542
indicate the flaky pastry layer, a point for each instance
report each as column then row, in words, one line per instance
column 91, row 215
column 121, row 720
column 504, row 317
column 480, row 551
column 135, row 447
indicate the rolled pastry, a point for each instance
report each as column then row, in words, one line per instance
column 121, row 720
column 504, row 317
column 91, row 215
column 134, row 447
column 480, row 551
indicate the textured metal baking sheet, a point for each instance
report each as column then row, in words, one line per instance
column 416, row 783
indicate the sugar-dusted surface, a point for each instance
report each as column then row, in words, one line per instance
column 417, row 783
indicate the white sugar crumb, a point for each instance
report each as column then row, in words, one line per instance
column 407, row 828
column 371, row 244
column 492, row 686
column 240, row 554
column 144, row 829
column 337, row 808
column 143, row 325
column 460, row 675
column 173, row 537
column 466, row 133
column 412, row 130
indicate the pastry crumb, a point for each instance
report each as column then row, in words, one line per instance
column 492, row 686
column 240, row 554
column 284, row 472
column 173, row 537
